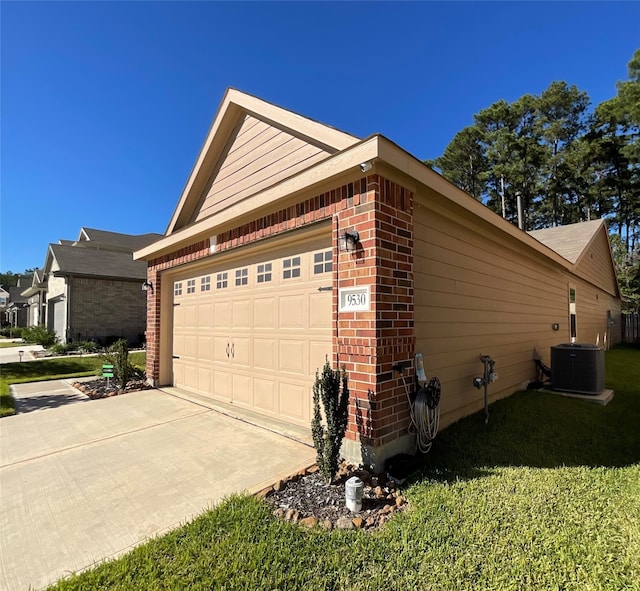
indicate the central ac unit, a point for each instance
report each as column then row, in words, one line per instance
column 577, row 368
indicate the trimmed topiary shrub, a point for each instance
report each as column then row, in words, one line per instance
column 332, row 388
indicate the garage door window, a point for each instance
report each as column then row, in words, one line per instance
column 291, row 268
column 264, row 273
column 205, row 283
column 221, row 281
column 191, row 286
column 177, row 288
column 242, row 276
column 322, row 262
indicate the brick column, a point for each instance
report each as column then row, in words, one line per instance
column 152, row 334
column 369, row 343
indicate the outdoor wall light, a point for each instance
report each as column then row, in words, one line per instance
column 147, row 286
column 348, row 242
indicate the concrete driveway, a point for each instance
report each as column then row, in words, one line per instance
column 80, row 483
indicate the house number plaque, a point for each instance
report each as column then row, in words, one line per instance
column 355, row 299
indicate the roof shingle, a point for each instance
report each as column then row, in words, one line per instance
column 568, row 241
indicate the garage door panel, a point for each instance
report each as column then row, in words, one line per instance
column 190, row 347
column 241, row 388
column 205, row 317
column 190, row 316
column 242, row 316
column 222, row 384
column 190, row 376
column 222, row 313
column 204, row 380
column 292, row 354
column 178, row 374
column 241, row 352
column 264, row 354
column 178, row 317
column 293, row 402
column 264, row 394
column 205, row 348
column 292, row 312
column 221, row 349
column 264, row 313
column 319, row 310
column 178, row 344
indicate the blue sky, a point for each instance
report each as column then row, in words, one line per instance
column 105, row 105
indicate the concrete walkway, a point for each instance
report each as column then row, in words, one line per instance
column 80, row 483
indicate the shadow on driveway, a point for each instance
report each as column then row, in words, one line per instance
column 45, row 395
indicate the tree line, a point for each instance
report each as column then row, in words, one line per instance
column 564, row 161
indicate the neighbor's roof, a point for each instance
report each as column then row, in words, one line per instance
column 37, row 284
column 568, row 241
column 97, row 263
column 129, row 242
column 15, row 295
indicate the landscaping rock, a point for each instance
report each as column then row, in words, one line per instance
column 309, row 521
column 344, row 523
column 101, row 388
column 311, row 496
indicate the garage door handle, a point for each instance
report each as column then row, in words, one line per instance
column 233, row 350
column 227, row 349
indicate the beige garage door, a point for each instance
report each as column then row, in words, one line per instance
column 254, row 331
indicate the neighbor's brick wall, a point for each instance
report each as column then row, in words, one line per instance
column 103, row 308
column 370, row 343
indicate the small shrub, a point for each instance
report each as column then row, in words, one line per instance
column 118, row 356
column 59, row 348
column 87, row 346
column 39, row 335
column 332, row 388
column 12, row 332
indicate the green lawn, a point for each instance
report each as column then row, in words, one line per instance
column 51, row 369
column 547, row 496
column 7, row 344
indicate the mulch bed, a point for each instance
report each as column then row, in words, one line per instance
column 100, row 388
column 305, row 498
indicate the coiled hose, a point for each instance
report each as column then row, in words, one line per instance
column 425, row 413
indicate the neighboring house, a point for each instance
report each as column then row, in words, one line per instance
column 16, row 311
column 252, row 290
column 4, row 302
column 94, row 287
column 36, row 299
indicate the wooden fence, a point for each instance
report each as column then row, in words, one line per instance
column 631, row 328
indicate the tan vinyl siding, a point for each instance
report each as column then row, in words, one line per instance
column 595, row 265
column 473, row 296
column 258, row 156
